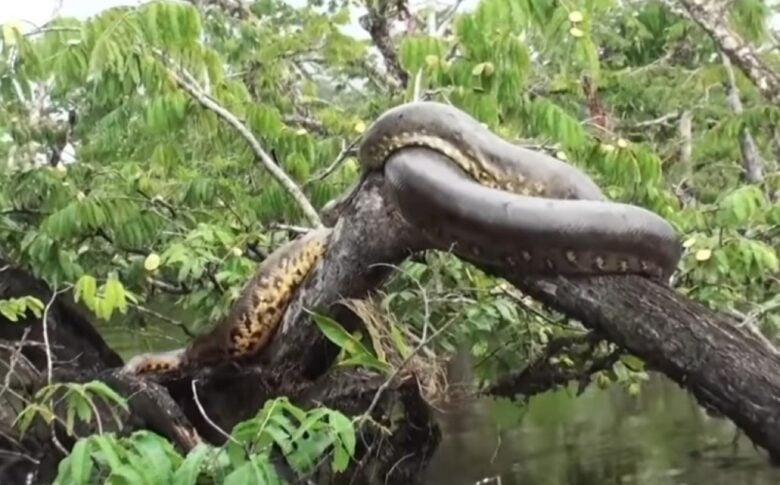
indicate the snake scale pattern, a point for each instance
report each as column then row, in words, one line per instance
column 470, row 191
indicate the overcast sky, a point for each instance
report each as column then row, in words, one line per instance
column 39, row 11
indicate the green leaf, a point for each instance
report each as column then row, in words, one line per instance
column 108, row 449
column 104, row 391
column 347, row 439
column 632, row 362
column 125, row 474
column 76, row 468
column 156, row 453
column 82, row 407
column 114, row 296
column 86, row 289
column 365, row 360
column 190, row 469
column 399, row 341
column 14, row 308
column 351, row 345
column 257, row 470
column 70, row 415
column 743, row 204
column 10, row 33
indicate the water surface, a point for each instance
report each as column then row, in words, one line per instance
column 661, row 437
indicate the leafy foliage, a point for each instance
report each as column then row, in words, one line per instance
column 14, row 308
column 144, row 457
column 78, row 400
column 354, row 351
column 166, row 205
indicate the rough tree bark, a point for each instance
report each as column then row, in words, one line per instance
column 726, row 368
column 710, row 16
column 376, row 23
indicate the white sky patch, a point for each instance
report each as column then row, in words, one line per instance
column 40, row 11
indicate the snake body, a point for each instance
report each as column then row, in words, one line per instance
column 490, row 200
column 500, row 203
column 254, row 316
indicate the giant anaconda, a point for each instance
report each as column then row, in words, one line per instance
column 529, row 210
column 254, row 317
column 487, row 198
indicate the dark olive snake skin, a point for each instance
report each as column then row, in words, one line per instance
column 468, row 190
column 500, row 203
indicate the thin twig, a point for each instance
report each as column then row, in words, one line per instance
column 46, row 343
column 424, row 294
column 667, row 118
column 397, row 463
column 17, row 353
column 403, row 364
column 417, row 85
column 162, row 317
column 345, row 151
column 447, row 16
column 20, row 455
column 764, row 308
column 206, row 416
column 49, row 369
column 57, row 442
column 289, row 227
column 167, row 287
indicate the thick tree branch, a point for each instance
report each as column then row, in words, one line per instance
column 376, row 23
column 709, row 16
column 725, row 367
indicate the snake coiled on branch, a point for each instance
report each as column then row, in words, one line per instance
column 469, row 191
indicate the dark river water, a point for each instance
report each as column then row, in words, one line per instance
column 603, row 437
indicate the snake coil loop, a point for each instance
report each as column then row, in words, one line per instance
column 465, row 188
